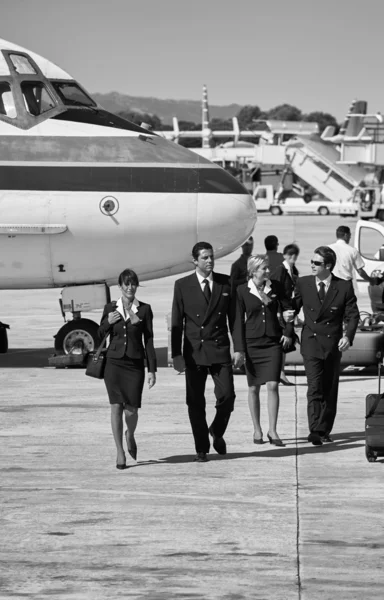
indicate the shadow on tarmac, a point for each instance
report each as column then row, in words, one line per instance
column 341, row 442
column 37, row 358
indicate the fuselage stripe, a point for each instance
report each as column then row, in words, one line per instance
column 118, row 179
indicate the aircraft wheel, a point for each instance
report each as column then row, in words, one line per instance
column 80, row 334
column 323, row 211
column 275, row 210
column 380, row 215
column 370, row 454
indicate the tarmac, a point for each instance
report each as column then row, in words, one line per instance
column 260, row 523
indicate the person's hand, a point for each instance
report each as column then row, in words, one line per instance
column 344, row 343
column 113, row 317
column 238, row 359
column 285, row 341
column 288, row 315
column 151, row 380
column 179, row 363
column 375, row 280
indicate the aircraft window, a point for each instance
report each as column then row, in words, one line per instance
column 7, row 104
column 22, row 64
column 370, row 242
column 341, row 180
column 36, row 97
column 71, row 94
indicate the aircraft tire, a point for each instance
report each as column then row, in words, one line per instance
column 79, row 333
column 380, row 215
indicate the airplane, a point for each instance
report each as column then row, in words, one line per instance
column 85, row 194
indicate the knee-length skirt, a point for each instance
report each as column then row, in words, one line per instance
column 124, row 380
column 263, row 360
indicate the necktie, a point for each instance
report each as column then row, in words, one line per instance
column 207, row 290
column 321, row 291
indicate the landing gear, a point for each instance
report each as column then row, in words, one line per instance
column 80, row 335
column 77, row 337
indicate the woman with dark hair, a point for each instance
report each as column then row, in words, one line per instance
column 259, row 337
column 128, row 322
column 287, row 275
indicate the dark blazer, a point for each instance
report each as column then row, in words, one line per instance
column 204, row 326
column 323, row 323
column 239, row 272
column 126, row 338
column 254, row 319
column 281, row 274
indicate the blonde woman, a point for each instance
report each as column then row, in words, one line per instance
column 260, row 339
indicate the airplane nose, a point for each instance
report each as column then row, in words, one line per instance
column 226, row 217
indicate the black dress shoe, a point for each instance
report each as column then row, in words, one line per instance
column 315, row 439
column 276, row 441
column 201, row 457
column 218, row 443
column 326, row 439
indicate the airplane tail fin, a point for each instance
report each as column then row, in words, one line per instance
column 353, row 125
column 205, row 119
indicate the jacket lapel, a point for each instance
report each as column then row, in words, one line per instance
column 330, row 295
column 314, row 296
column 215, row 297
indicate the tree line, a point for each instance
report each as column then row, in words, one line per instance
column 246, row 118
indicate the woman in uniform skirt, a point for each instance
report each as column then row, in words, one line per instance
column 259, row 337
column 128, row 323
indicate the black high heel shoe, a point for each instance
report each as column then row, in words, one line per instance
column 258, row 440
column 275, row 442
column 132, row 449
column 121, row 466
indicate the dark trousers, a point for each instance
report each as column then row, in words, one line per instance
column 196, row 377
column 323, row 385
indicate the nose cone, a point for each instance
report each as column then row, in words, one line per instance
column 226, row 213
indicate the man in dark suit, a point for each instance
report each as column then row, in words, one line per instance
column 200, row 311
column 327, row 302
column 239, row 269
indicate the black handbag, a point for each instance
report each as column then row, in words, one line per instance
column 97, row 360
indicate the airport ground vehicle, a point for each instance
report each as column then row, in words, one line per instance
column 323, row 207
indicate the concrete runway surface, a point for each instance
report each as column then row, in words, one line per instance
column 259, row 523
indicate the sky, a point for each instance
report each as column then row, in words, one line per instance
column 316, row 55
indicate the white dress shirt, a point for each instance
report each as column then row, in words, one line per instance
column 348, row 261
column 327, row 283
column 120, row 308
column 253, row 289
column 201, row 279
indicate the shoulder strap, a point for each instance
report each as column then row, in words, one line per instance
column 100, row 348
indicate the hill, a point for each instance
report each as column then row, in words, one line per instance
column 184, row 110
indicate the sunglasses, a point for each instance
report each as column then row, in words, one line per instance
column 317, row 263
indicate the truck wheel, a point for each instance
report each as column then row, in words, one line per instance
column 81, row 333
column 380, row 215
column 371, row 456
column 323, row 211
column 275, row 210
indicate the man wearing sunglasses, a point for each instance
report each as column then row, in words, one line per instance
column 327, row 302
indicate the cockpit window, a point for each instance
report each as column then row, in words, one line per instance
column 72, row 95
column 36, row 97
column 7, row 104
column 22, row 64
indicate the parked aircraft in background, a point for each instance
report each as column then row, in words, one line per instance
column 85, row 193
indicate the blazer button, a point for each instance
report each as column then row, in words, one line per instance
column 202, row 341
column 219, row 313
column 315, row 321
column 197, row 315
column 217, row 327
column 328, row 336
column 314, row 334
column 202, row 327
column 263, row 320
